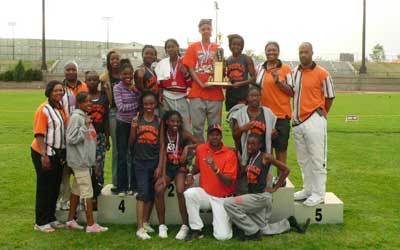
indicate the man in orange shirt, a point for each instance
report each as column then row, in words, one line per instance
column 72, row 87
column 313, row 97
column 205, row 100
column 218, row 169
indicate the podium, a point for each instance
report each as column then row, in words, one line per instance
column 114, row 209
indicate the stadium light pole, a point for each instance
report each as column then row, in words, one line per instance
column 216, row 21
column 12, row 25
column 363, row 68
column 44, row 64
column 107, row 19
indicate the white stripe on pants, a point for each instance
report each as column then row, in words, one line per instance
column 196, row 199
column 310, row 139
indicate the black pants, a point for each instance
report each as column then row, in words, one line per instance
column 47, row 187
column 126, row 178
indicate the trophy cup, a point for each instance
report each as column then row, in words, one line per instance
column 219, row 78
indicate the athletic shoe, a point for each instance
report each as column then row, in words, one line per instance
column 64, row 205
column 313, row 201
column 56, row 224
column 148, row 227
column 194, row 235
column 181, row 235
column 301, row 195
column 163, row 231
column 130, row 192
column 255, row 236
column 45, row 228
column 72, row 224
column 95, row 228
column 142, row 233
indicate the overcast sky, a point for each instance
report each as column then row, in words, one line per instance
column 332, row 26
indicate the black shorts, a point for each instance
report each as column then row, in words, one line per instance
column 144, row 171
column 172, row 172
column 281, row 142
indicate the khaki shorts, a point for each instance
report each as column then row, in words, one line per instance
column 82, row 185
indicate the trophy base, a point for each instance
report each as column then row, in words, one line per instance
column 219, row 84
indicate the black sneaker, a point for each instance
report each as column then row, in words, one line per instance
column 256, row 236
column 194, row 235
column 293, row 223
column 115, row 190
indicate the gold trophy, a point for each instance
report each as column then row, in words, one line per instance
column 219, row 78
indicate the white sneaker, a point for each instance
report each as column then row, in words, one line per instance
column 72, row 224
column 142, row 233
column 95, row 228
column 64, row 205
column 301, row 195
column 148, row 227
column 56, row 224
column 181, row 235
column 313, row 201
column 163, row 231
column 45, row 228
column 122, row 194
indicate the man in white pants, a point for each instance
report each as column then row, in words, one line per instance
column 218, row 168
column 313, row 97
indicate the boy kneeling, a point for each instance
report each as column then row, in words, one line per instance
column 251, row 212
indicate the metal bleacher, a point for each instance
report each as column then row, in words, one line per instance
column 335, row 68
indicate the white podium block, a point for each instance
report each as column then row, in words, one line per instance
column 122, row 210
column 62, row 216
column 330, row 212
column 282, row 202
column 114, row 209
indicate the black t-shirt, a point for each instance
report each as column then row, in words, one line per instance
column 99, row 113
column 113, row 81
column 147, row 141
column 260, row 128
column 257, row 174
column 237, row 71
column 171, row 156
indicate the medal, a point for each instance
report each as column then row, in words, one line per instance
column 174, row 71
column 252, row 161
column 173, row 147
column 206, row 54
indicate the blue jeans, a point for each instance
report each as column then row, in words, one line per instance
column 125, row 172
column 144, row 170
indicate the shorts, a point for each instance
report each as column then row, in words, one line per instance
column 281, row 142
column 172, row 172
column 144, row 171
column 82, row 185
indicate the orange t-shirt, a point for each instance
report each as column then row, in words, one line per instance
column 45, row 126
column 195, row 58
column 272, row 97
column 225, row 159
column 311, row 87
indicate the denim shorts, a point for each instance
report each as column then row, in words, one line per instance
column 144, row 170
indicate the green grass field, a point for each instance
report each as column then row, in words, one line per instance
column 363, row 170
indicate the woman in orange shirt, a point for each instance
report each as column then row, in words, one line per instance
column 48, row 156
column 275, row 80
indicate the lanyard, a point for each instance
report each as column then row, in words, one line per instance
column 174, row 70
column 206, row 53
column 149, row 70
column 253, row 160
column 171, row 146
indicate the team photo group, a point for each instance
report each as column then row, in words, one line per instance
column 163, row 121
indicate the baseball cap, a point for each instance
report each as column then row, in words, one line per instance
column 214, row 127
